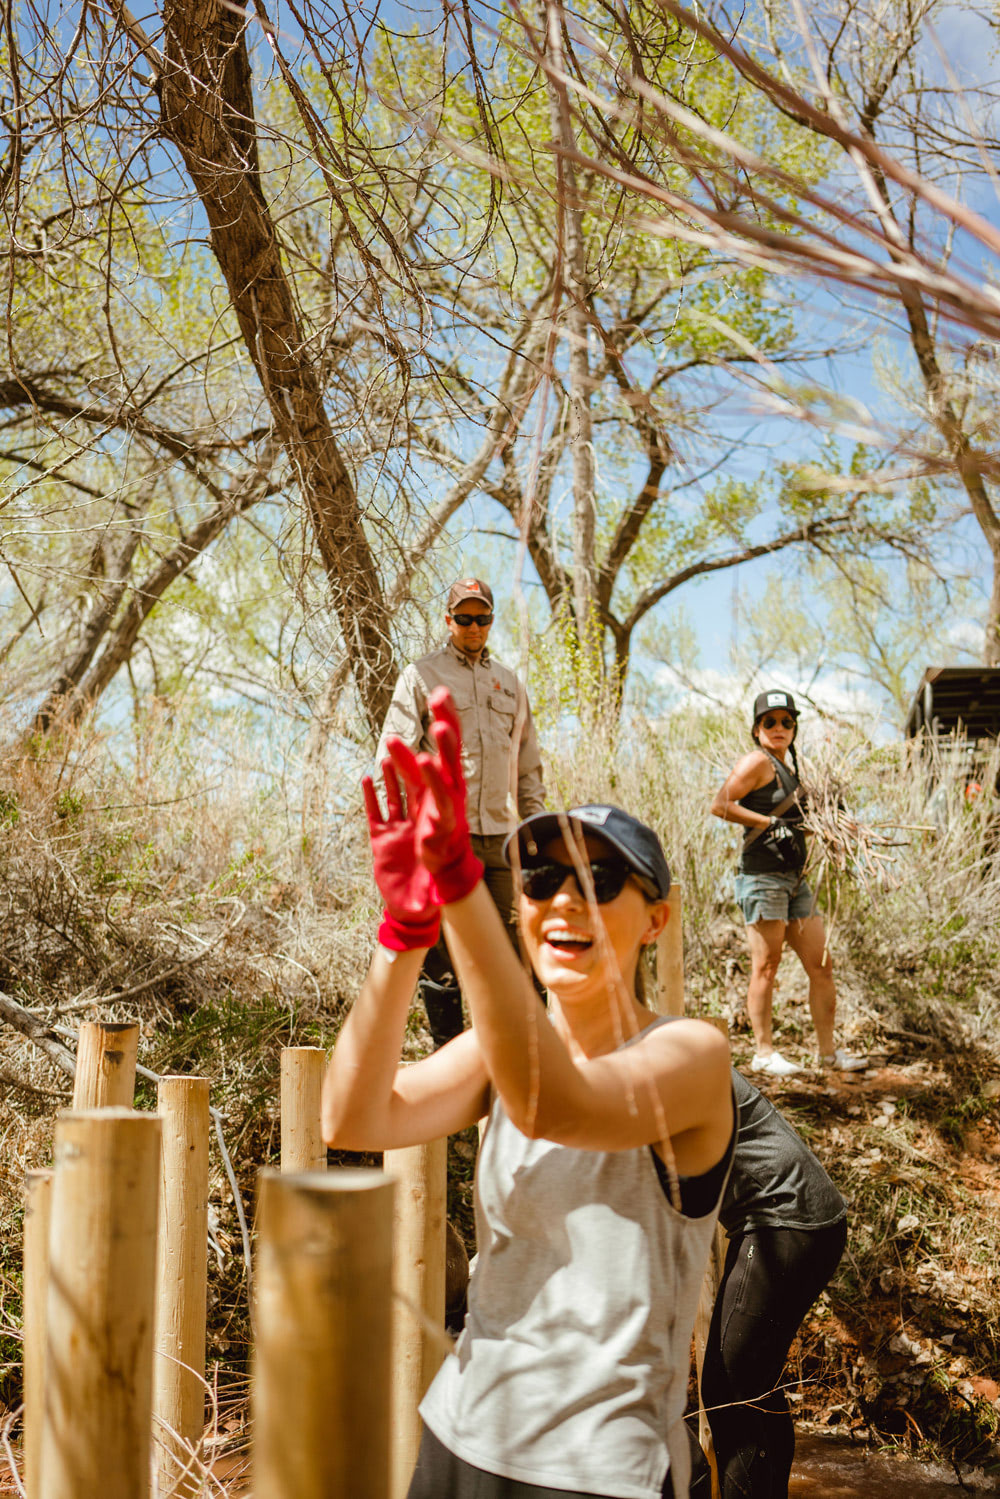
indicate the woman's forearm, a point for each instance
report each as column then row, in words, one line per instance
column 358, row 1088
column 743, row 816
column 528, row 1063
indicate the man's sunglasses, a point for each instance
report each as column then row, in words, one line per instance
column 465, row 620
column 777, row 723
column 541, row 881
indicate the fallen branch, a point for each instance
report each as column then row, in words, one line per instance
column 165, row 973
column 36, row 1030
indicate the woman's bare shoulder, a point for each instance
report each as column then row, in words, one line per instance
column 752, row 770
column 693, row 1056
column 687, row 1039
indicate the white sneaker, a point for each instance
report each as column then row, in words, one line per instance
column 775, row 1065
column 843, row 1061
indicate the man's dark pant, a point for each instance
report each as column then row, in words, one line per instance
column 438, row 985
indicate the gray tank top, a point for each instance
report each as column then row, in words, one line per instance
column 572, row 1368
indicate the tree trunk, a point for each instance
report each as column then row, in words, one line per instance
column 81, row 683
column 64, row 699
column 206, row 100
column 573, row 249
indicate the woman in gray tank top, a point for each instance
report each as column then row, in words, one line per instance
column 570, row 1375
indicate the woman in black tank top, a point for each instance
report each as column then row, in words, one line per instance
column 763, row 795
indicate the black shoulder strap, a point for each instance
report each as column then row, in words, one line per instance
column 789, row 784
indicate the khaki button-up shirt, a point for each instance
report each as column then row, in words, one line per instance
column 500, row 754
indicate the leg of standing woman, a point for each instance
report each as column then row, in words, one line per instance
column 808, row 940
column 771, row 1278
column 766, row 939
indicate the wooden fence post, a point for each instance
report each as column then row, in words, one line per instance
column 105, row 1065
column 421, row 1173
column 99, row 1312
column 670, row 958
column 323, row 1352
column 670, row 1001
column 706, row 1301
column 37, row 1216
column 181, row 1284
column 302, row 1147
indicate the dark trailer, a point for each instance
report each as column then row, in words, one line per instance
column 961, row 701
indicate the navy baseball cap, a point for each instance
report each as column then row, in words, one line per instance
column 637, row 844
column 766, row 702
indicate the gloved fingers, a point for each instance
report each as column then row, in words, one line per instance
column 372, row 808
column 446, row 731
column 449, row 742
column 407, row 767
column 443, row 710
column 441, row 788
column 393, row 792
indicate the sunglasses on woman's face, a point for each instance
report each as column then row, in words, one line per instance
column 541, row 881
column 778, row 723
column 465, row 621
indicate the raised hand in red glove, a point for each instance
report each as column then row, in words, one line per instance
column 411, row 918
column 435, row 786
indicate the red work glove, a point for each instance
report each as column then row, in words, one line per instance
column 436, row 787
column 411, row 918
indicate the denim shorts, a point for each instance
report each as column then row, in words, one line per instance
column 773, row 897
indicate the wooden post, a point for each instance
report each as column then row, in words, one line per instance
column 670, row 958
column 670, row 1001
column 99, row 1311
column 182, row 1284
column 37, row 1214
column 323, row 1353
column 421, row 1174
column 302, row 1147
column 706, row 1301
column 105, row 1065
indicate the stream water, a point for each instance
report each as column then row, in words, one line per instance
column 836, row 1468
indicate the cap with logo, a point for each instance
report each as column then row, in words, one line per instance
column 766, row 702
column 637, row 844
column 469, row 588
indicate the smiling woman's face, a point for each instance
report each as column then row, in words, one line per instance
column 561, row 935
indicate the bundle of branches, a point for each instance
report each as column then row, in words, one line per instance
column 841, row 844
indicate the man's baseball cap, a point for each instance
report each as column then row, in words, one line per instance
column 637, row 844
column 469, row 588
column 766, row 702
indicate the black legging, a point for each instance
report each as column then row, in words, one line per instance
column 771, row 1278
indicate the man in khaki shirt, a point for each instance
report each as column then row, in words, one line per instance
column 500, row 756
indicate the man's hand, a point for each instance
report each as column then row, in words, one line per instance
column 412, row 918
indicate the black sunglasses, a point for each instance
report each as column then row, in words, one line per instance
column 781, row 723
column 465, row 620
column 541, row 881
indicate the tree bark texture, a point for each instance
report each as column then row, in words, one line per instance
column 575, row 278
column 206, row 102
column 85, row 677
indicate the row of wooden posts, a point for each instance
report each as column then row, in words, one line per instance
column 348, row 1302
